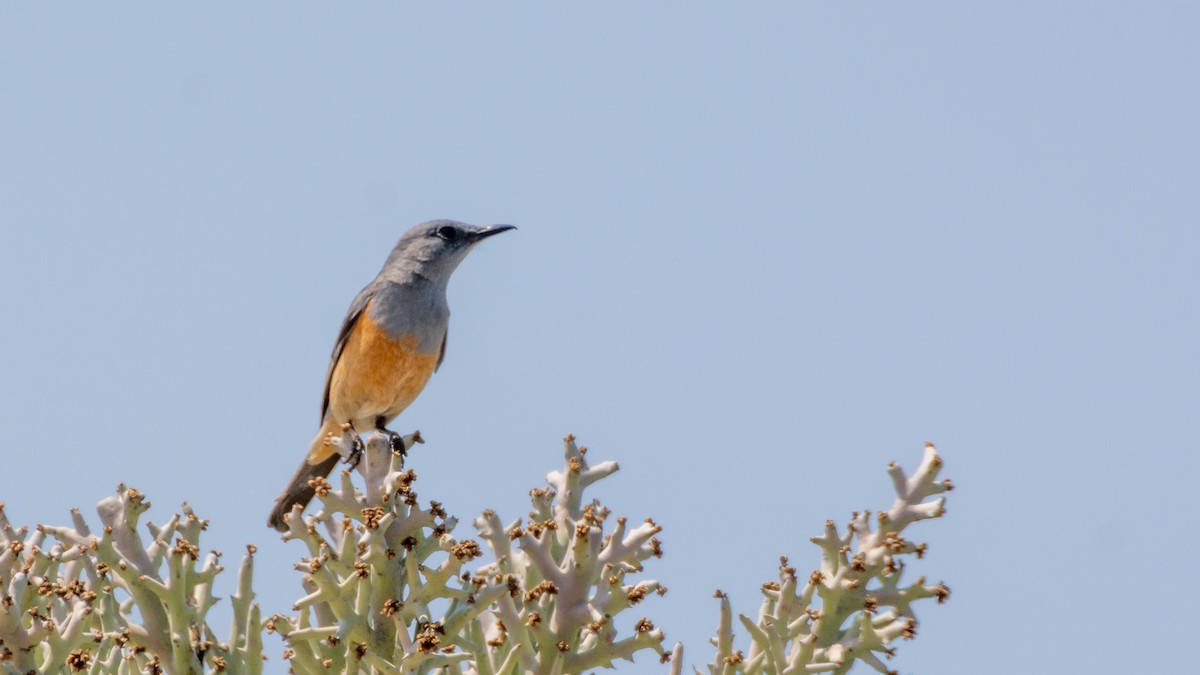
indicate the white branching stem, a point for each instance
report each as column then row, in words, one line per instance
column 854, row 606
column 118, row 603
column 388, row 588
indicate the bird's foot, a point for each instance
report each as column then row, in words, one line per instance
column 356, row 449
column 396, row 441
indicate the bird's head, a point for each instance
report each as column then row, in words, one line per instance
column 434, row 249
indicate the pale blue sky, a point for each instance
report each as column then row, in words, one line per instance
column 763, row 250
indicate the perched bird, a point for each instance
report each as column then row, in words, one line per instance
column 392, row 340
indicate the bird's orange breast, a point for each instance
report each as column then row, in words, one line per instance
column 377, row 375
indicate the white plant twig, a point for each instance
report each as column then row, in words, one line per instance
column 388, row 588
column 854, row 606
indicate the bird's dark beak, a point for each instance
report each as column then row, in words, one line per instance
column 485, row 232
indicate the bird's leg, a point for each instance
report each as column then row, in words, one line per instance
column 394, row 439
column 356, row 448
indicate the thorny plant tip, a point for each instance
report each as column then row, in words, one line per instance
column 377, row 564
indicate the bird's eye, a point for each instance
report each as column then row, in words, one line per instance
column 447, row 232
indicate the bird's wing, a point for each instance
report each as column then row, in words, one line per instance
column 357, row 307
column 442, row 354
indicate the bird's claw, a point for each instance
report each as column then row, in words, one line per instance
column 396, row 441
column 356, row 451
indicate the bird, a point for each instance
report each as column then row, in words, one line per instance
column 392, row 340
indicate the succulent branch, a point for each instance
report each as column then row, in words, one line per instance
column 73, row 601
column 388, row 587
column 854, row 606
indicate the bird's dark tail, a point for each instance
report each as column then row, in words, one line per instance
column 318, row 463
